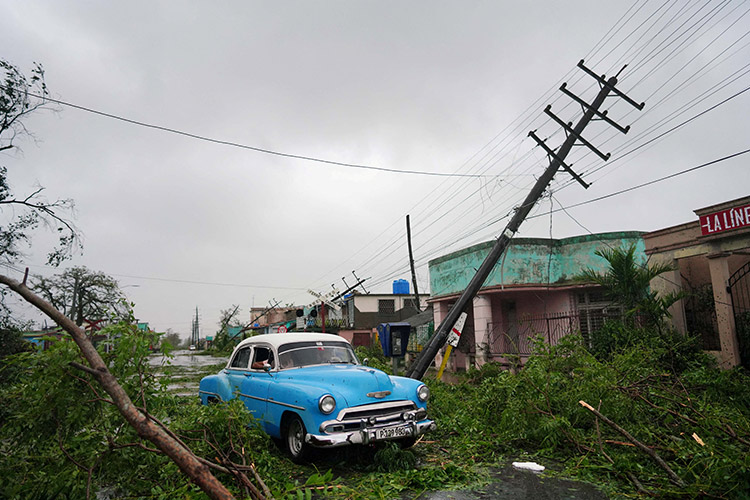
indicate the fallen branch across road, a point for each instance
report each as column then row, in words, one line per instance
column 672, row 476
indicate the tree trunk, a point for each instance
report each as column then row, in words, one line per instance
column 144, row 426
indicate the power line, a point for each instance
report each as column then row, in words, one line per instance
column 244, row 146
column 642, row 266
column 189, row 282
column 654, row 181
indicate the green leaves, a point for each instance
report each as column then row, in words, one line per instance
column 59, row 433
column 536, row 412
column 626, row 282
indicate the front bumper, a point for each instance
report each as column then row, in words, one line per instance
column 367, row 435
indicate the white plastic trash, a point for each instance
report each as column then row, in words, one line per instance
column 532, row 466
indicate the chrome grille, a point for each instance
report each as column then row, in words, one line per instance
column 376, row 410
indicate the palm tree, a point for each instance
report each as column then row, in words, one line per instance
column 626, row 283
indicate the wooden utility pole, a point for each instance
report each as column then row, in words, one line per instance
column 425, row 358
column 411, row 264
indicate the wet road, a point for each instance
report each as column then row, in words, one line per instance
column 508, row 483
column 187, row 367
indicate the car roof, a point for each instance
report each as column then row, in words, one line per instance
column 278, row 339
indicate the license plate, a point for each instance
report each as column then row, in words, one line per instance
column 393, row 432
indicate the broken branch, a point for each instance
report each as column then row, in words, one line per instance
column 645, row 449
column 144, row 427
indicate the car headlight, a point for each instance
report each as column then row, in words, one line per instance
column 423, row 393
column 327, row 404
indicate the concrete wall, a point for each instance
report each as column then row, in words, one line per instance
column 528, row 261
column 366, row 313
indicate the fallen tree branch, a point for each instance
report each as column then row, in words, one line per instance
column 726, row 430
column 262, row 483
column 731, row 433
column 188, row 463
column 645, row 449
column 631, row 476
column 84, row 368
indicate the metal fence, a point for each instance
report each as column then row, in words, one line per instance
column 517, row 338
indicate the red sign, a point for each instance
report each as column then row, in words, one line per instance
column 282, row 328
column 725, row 220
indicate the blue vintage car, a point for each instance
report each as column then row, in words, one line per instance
column 309, row 390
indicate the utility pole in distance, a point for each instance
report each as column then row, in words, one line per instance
column 425, row 358
column 411, row 264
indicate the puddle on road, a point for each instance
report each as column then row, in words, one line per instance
column 186, row 358
column 186, row 367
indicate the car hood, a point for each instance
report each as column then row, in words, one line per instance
column 355, row 383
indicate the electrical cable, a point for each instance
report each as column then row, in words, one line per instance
column 239, row 145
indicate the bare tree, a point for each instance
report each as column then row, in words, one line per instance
column 20, row 96
column 82, row 294
column 147, row 428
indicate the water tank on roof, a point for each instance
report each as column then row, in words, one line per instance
column 400, row 287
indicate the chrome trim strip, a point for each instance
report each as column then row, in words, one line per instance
column 271, row 401
column 301, row 408
column 378, row 394
column 252, row 397
column 209, row 393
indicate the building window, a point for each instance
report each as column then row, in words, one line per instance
column 410, row 304
column 593, row 311
column 386, row 307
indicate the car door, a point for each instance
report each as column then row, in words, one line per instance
column 258, row 377
column 238, row 367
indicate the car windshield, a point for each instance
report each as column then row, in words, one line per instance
column 298, row 354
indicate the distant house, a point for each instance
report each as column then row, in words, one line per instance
column 362, row 313
column 531, row 291
column 271, row 320
column 235, row 333
column 44, row 338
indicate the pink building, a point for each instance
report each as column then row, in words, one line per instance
column 532, row 291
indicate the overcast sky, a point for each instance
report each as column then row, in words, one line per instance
column 439, row 87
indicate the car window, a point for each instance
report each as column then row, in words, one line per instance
column 241, row 358
column 295, row 355
column 263, row 356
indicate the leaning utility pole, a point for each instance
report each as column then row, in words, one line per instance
column 591, row 111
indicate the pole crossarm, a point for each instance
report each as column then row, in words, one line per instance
column 611, row 86
column 361, row 281
column 602, row 115
column 349, row 289
column 571, row 132
column 426, row 357
column 552, row 154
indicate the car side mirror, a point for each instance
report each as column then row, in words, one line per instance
column 267, row 367
column 365, row 361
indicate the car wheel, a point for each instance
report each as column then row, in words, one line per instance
column 294, row 439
